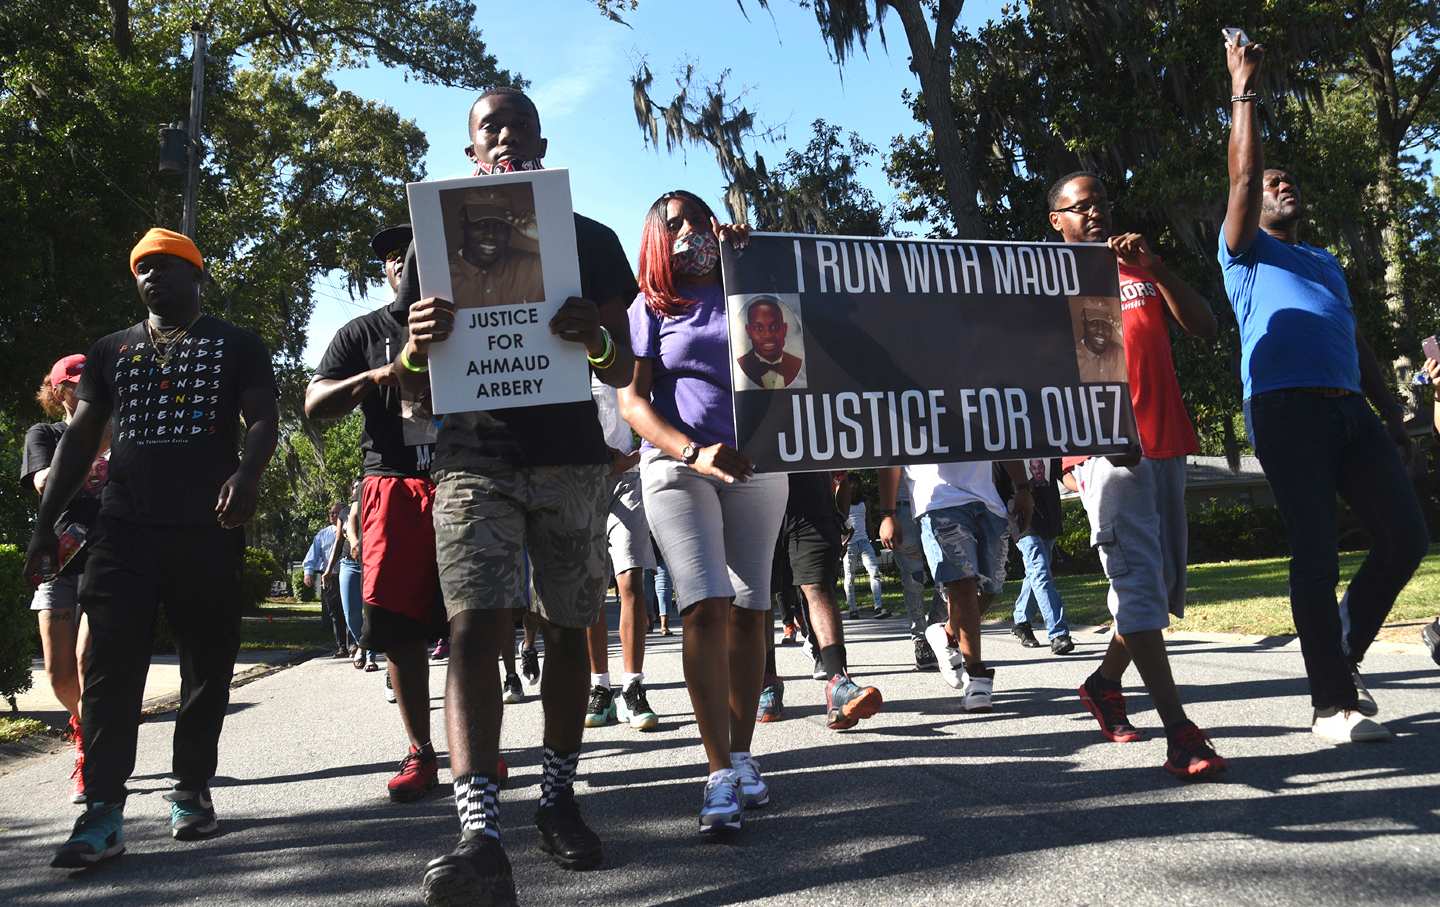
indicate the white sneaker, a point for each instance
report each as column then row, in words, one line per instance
column 947, row 657
column 389, row 690
column 754, row 792
column 978, row 691
column 721, row 809
column 1346, row 726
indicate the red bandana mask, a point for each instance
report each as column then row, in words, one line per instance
column 508, row 165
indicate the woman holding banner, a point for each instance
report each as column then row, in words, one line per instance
column 715, row 520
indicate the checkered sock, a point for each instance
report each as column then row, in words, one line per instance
column 477, row 799
column 558, row 775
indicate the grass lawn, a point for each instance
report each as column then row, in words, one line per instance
column 285, row 624
column 1250, row 597
column 13, row 730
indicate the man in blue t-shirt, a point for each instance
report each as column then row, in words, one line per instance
column 1307, row 373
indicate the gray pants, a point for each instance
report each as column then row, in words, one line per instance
column 718, row 539
column 910, row 561
column 1137, row 523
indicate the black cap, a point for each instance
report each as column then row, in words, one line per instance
column 391, row 240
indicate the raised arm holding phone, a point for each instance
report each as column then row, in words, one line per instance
column 1307, row 374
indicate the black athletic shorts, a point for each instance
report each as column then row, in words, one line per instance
column 382, row 629
column 812, row 531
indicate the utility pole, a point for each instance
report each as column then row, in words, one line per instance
column 197, row 112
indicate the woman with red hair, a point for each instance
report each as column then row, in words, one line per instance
column 715, row 520
column 63, row 633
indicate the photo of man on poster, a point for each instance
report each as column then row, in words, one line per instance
column 768, row 365
column 1099, row 347
column 496, row 260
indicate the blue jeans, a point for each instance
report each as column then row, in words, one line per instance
column 664, row 597
column 352, row 595
column 1312, row 448
column 1038, row 593
column 966, row 542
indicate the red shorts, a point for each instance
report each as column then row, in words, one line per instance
column 398, row 545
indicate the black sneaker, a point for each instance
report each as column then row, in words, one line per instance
column 565, row 836
column 1431, row 637
column 924, row 657
column 1107, row 704
column 1022, row 632
column 510, row 691
column 477, row 871
column 1062, row 644
column 819, row 672
column 530, row 665
column 601, row 710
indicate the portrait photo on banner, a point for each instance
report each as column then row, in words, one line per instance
column 767, row 341
column 1099, row 339
column 492, row 238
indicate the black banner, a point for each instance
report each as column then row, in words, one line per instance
column 849, row 352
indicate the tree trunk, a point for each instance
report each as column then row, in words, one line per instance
column 1390, row 129
column 930, row 61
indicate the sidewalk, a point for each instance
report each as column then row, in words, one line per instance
column 162, row 685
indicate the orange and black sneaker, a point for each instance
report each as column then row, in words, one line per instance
column 1190, row 756
column 419, row 775
column 1107, row 704
column 847, row 703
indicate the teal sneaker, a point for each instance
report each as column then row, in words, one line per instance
column 192, row 814
column 633, row 707
column 98, row 835
column 601, row 710
column 772, row 702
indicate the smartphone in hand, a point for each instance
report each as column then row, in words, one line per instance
column 1431, row 347
column 1235, row 36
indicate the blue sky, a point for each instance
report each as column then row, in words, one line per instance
column 579, row 64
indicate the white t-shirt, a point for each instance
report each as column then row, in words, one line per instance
column 856, row 520
column 616, row 429
column 936, row 486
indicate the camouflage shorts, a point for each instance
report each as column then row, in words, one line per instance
column 487, row 520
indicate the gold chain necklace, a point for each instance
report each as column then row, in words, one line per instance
column 165, row 341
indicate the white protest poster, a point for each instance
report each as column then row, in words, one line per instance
column 502, row 248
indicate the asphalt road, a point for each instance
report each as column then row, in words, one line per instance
column 922, row 804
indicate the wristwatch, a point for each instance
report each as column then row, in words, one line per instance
column 690, row 453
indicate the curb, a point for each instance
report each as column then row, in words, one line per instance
column 1380, row 645
column 159, row 705
column 37, row 745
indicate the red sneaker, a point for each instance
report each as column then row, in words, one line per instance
column 1108, row 707
column 418, row 776
column 1190, row 756
column 788, row 638
column 78, row 773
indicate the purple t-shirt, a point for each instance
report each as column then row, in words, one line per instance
column 690, row 366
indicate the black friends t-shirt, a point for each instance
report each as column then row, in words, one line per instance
column 176, row 424
column 398, row 437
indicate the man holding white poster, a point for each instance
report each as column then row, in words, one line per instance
column 511, row 481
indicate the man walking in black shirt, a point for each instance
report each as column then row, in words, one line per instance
column 400, row 586
column 511, row 482
column 175, row 386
